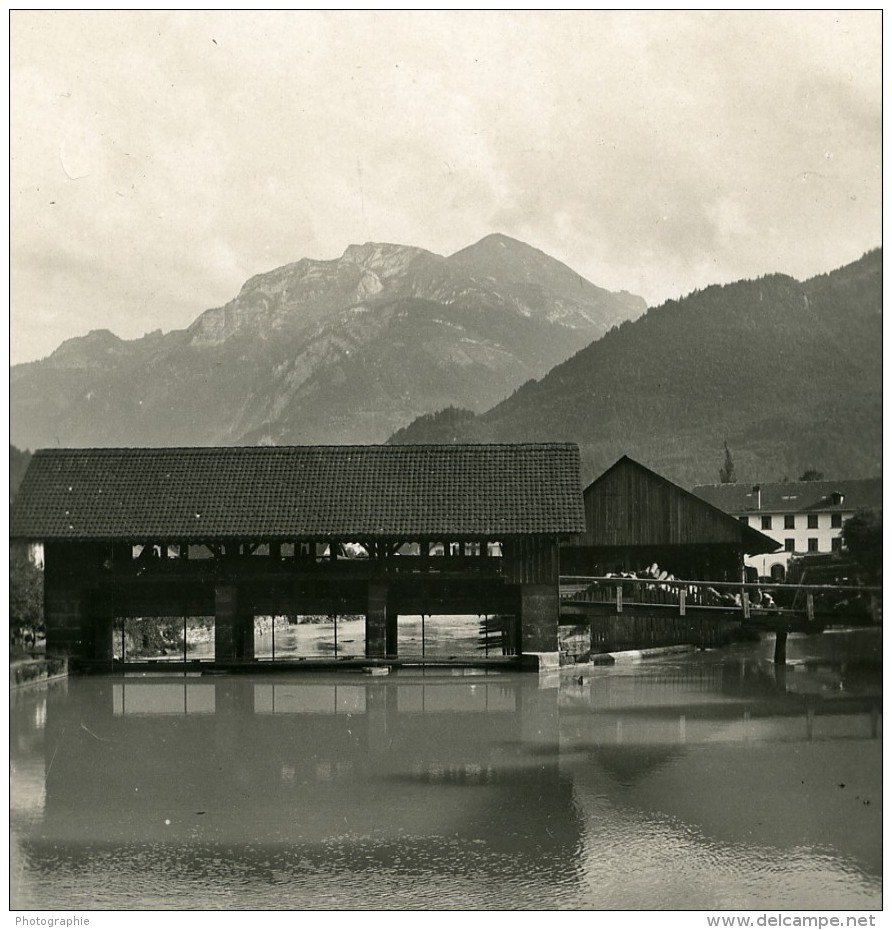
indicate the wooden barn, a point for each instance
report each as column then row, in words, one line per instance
column 635, row 519
column 240, row 533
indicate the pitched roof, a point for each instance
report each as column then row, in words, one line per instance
column 630, row 505
column 795, row 496
column 299, row 492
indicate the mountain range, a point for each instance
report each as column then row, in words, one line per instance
column 346, row 350
column 495, row 343
column 788, row 373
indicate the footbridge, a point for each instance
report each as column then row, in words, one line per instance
column 637, row 613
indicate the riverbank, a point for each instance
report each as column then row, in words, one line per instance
column 28, row 671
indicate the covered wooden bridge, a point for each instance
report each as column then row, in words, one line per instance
column 241, row 532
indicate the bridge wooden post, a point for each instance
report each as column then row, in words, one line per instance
column 810, row 607
column 780, row 646
column 619, row 598
column 682, row 601
column 745, row 604
column 225, row 621
column 245, row 648
column 390, row 631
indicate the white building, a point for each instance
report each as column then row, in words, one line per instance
column 804, row 516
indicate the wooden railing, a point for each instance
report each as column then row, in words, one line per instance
column 747, row 599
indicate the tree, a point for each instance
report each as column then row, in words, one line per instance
column 811, row 474
column 862, row 535
column 18, row 465
column 25, row 594
column 726, row 472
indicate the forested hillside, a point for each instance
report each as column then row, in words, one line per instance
column 789, row 373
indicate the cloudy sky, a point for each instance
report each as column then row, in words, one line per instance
column 160, row 159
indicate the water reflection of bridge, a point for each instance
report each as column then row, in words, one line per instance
column 494, row 778
column 301, row 755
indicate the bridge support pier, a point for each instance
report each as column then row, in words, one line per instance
column 233, row 626
column 102, row 633
column 376, row 622
column 96, row 628
column 539, row 613
column 64, row 614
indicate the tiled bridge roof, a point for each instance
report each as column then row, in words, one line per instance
column 269, row 492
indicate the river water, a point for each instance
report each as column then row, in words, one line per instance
column 700, row 780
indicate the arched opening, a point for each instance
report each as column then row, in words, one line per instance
column 778, row 572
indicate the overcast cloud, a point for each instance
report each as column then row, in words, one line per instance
column 160, row 159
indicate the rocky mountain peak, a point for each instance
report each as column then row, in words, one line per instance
column 86, row 351
column 338, row 350
column 382, row 257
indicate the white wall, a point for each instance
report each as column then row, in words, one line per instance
column 801, row 534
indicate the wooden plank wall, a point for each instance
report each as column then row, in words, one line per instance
column 531, row 560
column 628, row 506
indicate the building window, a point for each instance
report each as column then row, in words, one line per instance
column 766, row 523
column 812, row 521
column 744, row 520
column 789, row 545
column 836, row 520
column 836, row 544
column 812, row 544
column 789, row 521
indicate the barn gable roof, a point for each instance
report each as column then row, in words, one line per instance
column 300, row 491
column 630, row 505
